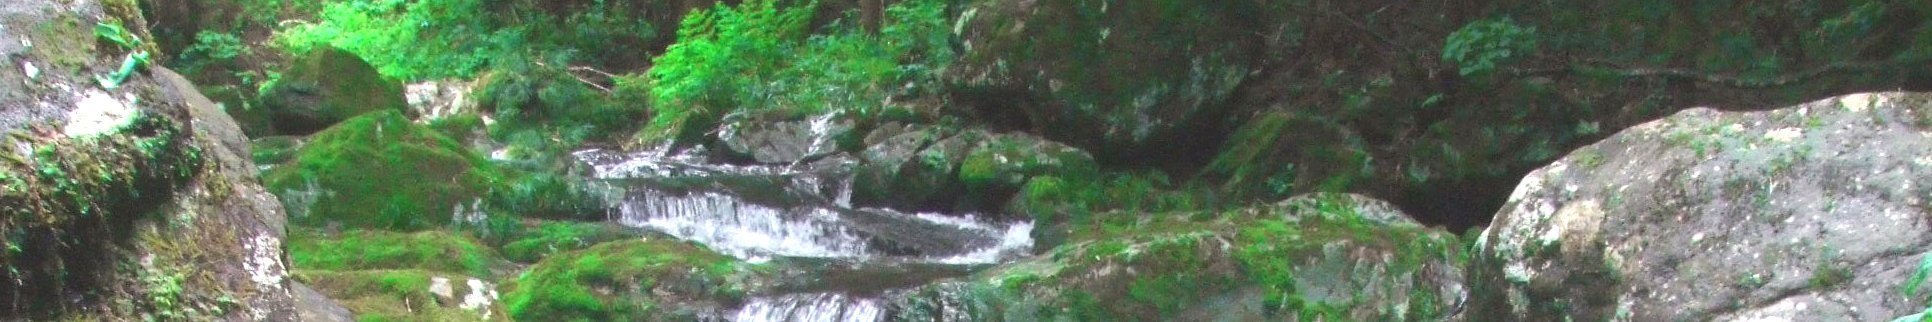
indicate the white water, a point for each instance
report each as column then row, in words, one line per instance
column 755, row 232
column 811, row 307
column 744, row 230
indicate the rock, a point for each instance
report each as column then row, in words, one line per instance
column 1114, row 78
column 1812, row 212
column 922, row 168
column 784, row 141
column 381, row 171
column 312, row 306
column 439, row 99
column 648, row 280
column 409, row 294
column 129, row 202
column 1319, row 257
column 328, row 85
column 434, row 250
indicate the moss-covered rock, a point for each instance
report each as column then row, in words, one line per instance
column 936, row 168
column 549, row 238
column 381, row 171
column 433, row 250
column 1321, row 257
column 123, row 199
column 408, row 294
column 633, row 279
column 1114, row 77
column 328, row 85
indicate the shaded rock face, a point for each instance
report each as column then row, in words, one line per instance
column 328, row 86
column 125, row 202
column 1115, row 77
column 1816, row 212
column 928, row 168
column 1316, row 257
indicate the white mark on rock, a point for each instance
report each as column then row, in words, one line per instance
column 264, row 261
column 440, row 286
column 33, row 73
column 480, row 297
column 1859, row 102
column 97, row 113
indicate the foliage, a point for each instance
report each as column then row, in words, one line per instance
column 406, row 39
column 210, row 48
column 544, row 195
column 759, row 55
column 433, row 250
column 137, row 56
column 1484, row 45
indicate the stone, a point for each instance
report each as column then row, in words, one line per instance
column 1812, row 212
column 1328, row 257
column 326, row 86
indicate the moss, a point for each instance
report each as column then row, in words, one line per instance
column 393, row 295
column 69, row 201
column 380, row 171
column 274, row 150
column 325, row 87
column 556, row 237
column 438, row 251
column 631, row 279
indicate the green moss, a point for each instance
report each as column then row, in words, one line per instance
column 69, row 200
column 393, row 295
column 325, row 87
column 274, row 150
column 556, row 237
column 380, row 171
column 359, row 250
column 631, row 279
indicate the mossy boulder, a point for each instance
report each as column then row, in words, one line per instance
column 327, row 86
column 553, row 237
column 434, row 250
column 1318, row 257
column 1115, row 77
column 649, row 280
column 381, row 171
column 126, row 199
column 933, row 168
column 408, row 294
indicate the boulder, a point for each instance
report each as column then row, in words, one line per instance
column 326, row 86
column 1114, row 77
column 784, row 141
column 381, row 171
column 635, row 279
column 1814, row 212
column 931, row 168
column 1316, row 257
column 123, row 202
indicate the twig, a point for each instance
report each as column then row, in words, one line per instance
column 581, row 79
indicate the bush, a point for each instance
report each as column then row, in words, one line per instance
column 759, row 55
column 1487, row 44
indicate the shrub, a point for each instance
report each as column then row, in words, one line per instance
column 1484, row 45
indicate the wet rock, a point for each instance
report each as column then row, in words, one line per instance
column 923, row 168
column 328, row 85
column 123, row 202
column 439, row 99
column 1327, row 257
column 784, row 141
column 312, row 306
column 1812, row 212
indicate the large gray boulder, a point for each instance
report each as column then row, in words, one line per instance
column 125, row 202
column 1816, row 212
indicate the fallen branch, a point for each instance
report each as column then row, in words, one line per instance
column 1705, row 77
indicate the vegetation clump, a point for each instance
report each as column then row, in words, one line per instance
column 630, row 279
column 433, row 250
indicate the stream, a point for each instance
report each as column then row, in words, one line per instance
column 802, row 216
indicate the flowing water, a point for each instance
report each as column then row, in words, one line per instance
column 803, row 214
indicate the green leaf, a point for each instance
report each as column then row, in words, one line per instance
column 1918, row 277
column 117, row 34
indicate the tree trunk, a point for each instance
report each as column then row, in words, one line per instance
column 871, row 12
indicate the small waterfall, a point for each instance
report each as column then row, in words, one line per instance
column 742, row 229
column 828, row 307
column 811, row 217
